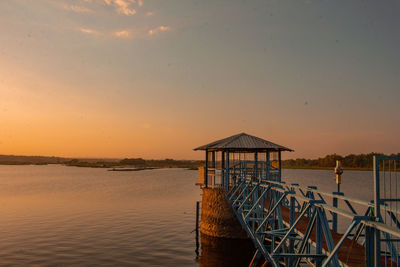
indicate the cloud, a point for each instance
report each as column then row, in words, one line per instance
column 122, row 34
column 149, row 14
column 140, row 33
column 158, row 30
column 89, row 31
column 77, row 9
column 122, row 6
column 140, row 3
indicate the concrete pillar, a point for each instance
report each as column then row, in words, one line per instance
column 217, row 217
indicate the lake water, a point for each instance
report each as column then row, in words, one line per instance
column 57, row 215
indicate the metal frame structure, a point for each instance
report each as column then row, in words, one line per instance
column 290, row 224
column 272, row 211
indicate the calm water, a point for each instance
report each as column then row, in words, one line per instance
column 358, row 184
column 57, row 215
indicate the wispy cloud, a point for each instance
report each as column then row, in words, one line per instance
column 77, row 9
column 158, row 30
column 89, row 31
column 122, row 6
column 140, row 33
column 123, row 34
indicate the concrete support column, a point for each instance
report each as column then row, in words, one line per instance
column 217, row 217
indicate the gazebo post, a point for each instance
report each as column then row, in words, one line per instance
column 206, row 171
column 213, row 159
column 256, row 165
column 280, row 165
column 223, row 165
column 227, row 171
column 268, row 165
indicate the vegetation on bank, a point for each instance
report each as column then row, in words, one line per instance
column 163, row 163
column 29, row 160
column 100, row 163
column 137, row 163
column 352, row 161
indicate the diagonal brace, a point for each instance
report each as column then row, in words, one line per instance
column 257, row 202
column 291, row 229
column 341, row 241
column 271, row 211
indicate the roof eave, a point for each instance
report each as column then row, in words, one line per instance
column 242, row 149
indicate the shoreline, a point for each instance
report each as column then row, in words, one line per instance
column 131, row 169
column 116, row 168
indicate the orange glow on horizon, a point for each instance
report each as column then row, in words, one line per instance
column 114, row 80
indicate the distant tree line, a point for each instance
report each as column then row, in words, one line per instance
column 137, row 163
column 99, row 163
column 162, row 163
column 27, row 160
column 360, row 161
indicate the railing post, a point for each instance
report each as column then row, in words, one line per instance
column 334, row 214
column 338, row 171
column 319, row 239
column 377, row 213
column 291, row 222
column 369, row 247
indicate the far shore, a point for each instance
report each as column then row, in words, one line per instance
column 134, row 168
column 359, row 162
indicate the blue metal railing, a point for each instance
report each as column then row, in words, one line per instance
column 386, row 206
column 288, row 224
column 218, row 178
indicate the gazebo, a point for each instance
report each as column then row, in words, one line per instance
column 240, row 155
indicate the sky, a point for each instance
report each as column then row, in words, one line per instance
column 155, row 79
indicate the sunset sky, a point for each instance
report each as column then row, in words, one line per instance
column 154, row 79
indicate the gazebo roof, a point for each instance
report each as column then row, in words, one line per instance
column 243, row 142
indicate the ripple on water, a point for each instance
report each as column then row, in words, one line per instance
column 55, row 215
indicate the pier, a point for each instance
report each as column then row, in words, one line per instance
column 293, row 225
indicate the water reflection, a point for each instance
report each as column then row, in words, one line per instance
column 225, row 252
